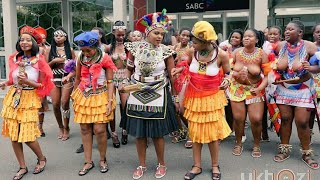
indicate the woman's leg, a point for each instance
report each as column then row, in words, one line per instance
column 35, row 147
column 214, row 153
column 65, row 103
column 101, row 135
column 287, row 114
column 56, row 103
column 86, row 135
column 124, row 134
column 141, row 145
column 255, row 112
column 239, row 116
column 18, row 150
column 196, row 149
column 302, row 116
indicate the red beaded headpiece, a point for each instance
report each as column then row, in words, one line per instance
column 31, row 31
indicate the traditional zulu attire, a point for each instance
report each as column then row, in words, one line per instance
column 91, row 97
column 21, row 104
column 150, row 111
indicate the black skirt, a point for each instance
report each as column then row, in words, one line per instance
column 153, row 128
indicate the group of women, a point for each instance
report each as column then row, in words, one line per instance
column 160, row 87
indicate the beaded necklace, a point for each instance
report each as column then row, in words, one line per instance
column 292, row 52
column 250, row 58
column 25, row 61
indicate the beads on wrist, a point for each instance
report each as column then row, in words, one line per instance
column 175, row 99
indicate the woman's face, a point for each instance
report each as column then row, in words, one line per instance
column 292, row 33
column 155, row 36
column 316, row 34
column 235, row 39
column 88, row 51
column 119, row 35
column 266, row 32
column 274, row 35
column 136, row 36
column 25, row 42
column 184, row 37
column 59, row 38
column 197, row 44
column 249, row 38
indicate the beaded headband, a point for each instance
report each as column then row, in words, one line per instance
column 60, row 32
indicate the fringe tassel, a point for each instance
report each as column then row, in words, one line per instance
column 134, row 107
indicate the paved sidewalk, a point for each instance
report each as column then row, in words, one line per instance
column 64, row 163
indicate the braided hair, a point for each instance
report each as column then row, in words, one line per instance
column 67, row 49
column 259, row 36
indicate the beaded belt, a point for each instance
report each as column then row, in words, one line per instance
column 25, row 87
column 148, row 79
column 89, row 91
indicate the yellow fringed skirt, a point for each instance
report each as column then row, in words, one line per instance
column 21, row 123
column 206, row 118
column 92, row 109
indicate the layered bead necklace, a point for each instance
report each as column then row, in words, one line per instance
column 250, row 58
column 292, row 50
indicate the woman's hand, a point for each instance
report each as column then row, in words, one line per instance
column 23, row 79
column 224, row 84
column 175, row 71
column 59, row 60
column 255, row 91
column 109, row 108
column 243, row 74
column 65, row 79
column 3, row 85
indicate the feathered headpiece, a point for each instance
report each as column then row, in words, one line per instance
column 152, row 21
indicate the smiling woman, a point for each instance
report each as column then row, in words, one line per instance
column 30, row 79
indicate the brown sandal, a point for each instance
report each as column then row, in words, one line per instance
column 284, row 153
column 19, row 176
column 237, row 150
column 215, row 176
column 308, row 160
column 37, row 169
column 256, row 152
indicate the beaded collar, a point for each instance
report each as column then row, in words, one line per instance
column 87, row 62
column 250, row 58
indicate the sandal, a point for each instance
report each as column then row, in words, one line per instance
column 84, row 171
column 284, row 153
column 308, row 160
column 39, row 169
column 124, row 137
column 140, row 169
column 61, row 133
column 19, row 176
column 104, row 169
column 216, row 176
column 237, row 150
column 66, row 134
column 191, row 175
column 188, row 144
column 256, row 152
column 115, row 140
column 158, row 174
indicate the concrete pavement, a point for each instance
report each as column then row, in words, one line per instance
column 64, row 164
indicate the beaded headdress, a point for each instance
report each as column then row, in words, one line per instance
column 31, row 31
column 41, row 30
column 152, row 21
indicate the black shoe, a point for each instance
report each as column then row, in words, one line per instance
column 124, row 139
column 80, row 149
column 43, row 134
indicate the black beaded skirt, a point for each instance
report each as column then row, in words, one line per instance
column 153, row 128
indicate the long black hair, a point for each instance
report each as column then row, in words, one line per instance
column 259, row 36
column 102, row 33
column 239, row 31
column 67, row 49
column 34, row 48
column 113, row 37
